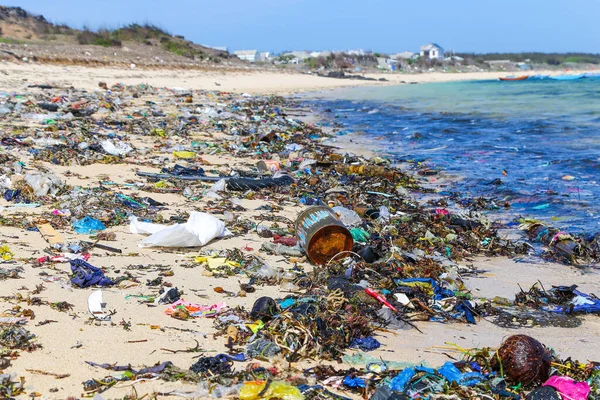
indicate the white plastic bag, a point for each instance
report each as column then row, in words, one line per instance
column 120, row 149
column 5, row 182
column 144, row 228
column 347, row 217
column 219, row 186
column 42, row 184
column 384, row 213
column 200, row 229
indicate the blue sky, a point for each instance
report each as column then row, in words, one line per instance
column 387, row 26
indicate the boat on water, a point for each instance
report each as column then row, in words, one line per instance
column 514, row 78
column 567, row 77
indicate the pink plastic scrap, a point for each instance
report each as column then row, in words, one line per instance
column 195, row 310
column 568, row 388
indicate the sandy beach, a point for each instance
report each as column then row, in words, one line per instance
column 13, row 75
column 142, row 334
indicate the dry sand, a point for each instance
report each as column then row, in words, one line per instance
column 71, row 341
column 15, row 75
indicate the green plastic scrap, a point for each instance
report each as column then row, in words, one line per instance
column 360, row 235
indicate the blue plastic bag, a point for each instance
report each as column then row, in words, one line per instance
column 366, row 343
column 86, row 275
column 453, row 374
column 400, row 381
column 354, row 382
column 88, row 225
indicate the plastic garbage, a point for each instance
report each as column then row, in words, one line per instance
column 569, row 388
column 193, row 310
column 366, row 344
column 453, row 374
column 118, row 149
column 168, row 296
column 360, row 235
column 265, row 271
column 347, row 217
column 380, row 298
column 400, row 381
column 5, row 182
column 88, row 225
column 262, row 348
column 390, row 319
column 368, row 254
column 180, row 170
column 48, row 106
column 543, row 393
column 276, row 390
column 200, row 229
column 184, row 154
column 384, row 392
column 220, row 186
column 144, row 228
column 384, row 213
column 354, row 382
column 43, row 184
column 243, row 184
column 97, row 307
column 5, row 253
column 283, row 250
column 86, row 275
column 580, row 302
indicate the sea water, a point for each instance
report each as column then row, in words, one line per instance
column 532, row 144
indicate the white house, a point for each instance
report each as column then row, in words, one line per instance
column 432, row 51
column 265, row 56
column 247, row 55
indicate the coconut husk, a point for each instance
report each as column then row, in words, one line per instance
column 522, row 359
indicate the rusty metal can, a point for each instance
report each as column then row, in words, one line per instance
column 322, row 235
column 268, row 165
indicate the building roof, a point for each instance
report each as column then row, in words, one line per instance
column 431, row 46
column 245, row 52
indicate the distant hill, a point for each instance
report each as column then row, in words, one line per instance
column 140, row 43
column 18, row 24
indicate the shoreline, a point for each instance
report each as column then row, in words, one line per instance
column 71, row 341
column 17, row 75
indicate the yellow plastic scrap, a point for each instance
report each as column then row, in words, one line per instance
column 158, row 132
column 276, row 390
column 5, row 253
column 255, row 327
column 430, row 237
column 184, row 154
column 215, row 262
column 161, row 184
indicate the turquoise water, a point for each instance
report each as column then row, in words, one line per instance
column 544, row 134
